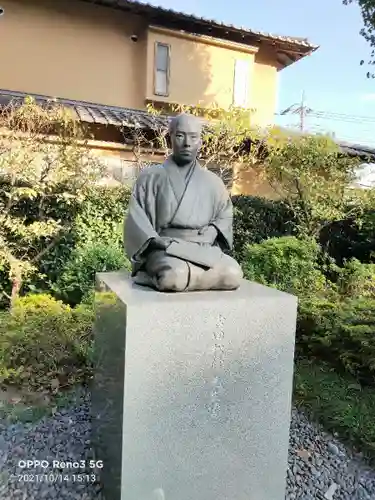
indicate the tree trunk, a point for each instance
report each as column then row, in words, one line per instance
column 16, row 287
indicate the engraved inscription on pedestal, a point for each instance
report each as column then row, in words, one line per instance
column 217, row 367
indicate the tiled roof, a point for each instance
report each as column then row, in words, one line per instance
column 93, row 113
column 134, row 118
column 171, row 15
column 357, row 150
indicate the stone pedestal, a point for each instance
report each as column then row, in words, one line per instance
column 192, row 392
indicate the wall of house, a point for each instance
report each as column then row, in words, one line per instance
column 73, row 50
column 123, row 168
column 265, row 87
column 203, row 74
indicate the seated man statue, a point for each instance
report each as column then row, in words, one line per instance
column 179, row 222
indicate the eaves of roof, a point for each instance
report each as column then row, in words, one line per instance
column 214, row 27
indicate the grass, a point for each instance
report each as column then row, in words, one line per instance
column 338, row 402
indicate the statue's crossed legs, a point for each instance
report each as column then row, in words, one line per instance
column 170, row 274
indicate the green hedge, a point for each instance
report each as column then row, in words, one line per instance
column 257, row 219
column 341, row 333
column 45, row 344
column 346, row 239
column 77, row 278
column 336, row 320
column 286, row 263
column 99, row 218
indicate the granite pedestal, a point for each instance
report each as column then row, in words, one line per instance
column 192, row 391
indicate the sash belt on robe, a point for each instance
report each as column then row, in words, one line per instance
column 197, row 249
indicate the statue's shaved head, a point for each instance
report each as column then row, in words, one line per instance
column 186, row 123
column 186, row 137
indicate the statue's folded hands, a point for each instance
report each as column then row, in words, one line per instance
column 158, row 244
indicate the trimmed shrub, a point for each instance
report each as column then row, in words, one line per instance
column 286, row 263
column 45, row 344
column 340, row 332
column 102, row 216
column 346, row 239
column 77, row 278
column 257, row 219
column 356, row 279
column 99, row 218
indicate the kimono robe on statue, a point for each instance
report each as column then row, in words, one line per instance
column 178, row 207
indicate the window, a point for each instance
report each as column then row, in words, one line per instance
column 241, row 83
column 161, row 77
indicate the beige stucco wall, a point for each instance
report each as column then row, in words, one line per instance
column 265, row 87
column 72, row 50
column 82, row 51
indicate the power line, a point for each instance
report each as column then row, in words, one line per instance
column 303, row 110
column 364, row 125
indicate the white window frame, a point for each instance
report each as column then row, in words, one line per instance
column 241, row 83
column 165, row 71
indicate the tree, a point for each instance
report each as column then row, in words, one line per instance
column 314, row 179
column 44, row 160
column 368, row 31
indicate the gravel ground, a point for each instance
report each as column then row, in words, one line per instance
column 320, row 468
column 63, row 437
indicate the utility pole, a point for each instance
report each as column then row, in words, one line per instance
column 299, row 109
column 302, row 110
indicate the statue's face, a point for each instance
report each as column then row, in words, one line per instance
column 186, row 139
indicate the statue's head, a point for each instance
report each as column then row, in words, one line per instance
column 186, row 136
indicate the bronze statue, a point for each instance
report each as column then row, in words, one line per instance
column 180, row 220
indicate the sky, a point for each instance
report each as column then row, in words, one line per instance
column 331, row 78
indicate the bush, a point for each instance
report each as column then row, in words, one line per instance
column 102, row 216
column 77, row 278
column 99, row 217
column 313, row 177
column 257, row 219
column 45, row 344
column 286, row 263
column 340, row 332
column 347, row 239
column 356, row 279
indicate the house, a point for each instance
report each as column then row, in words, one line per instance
column 108, row 59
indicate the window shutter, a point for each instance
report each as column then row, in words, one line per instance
column 241, row 83
column 161, row 77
